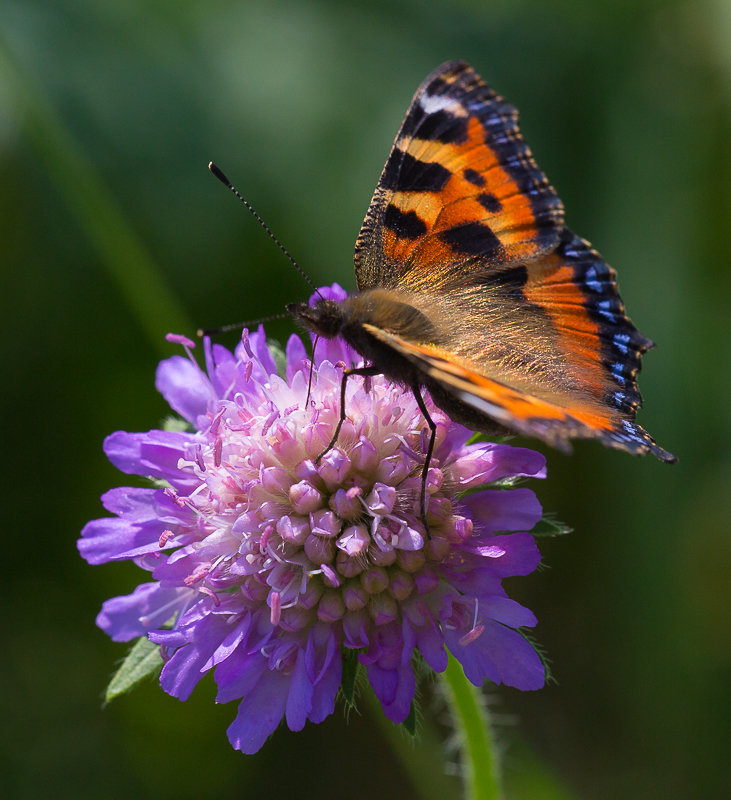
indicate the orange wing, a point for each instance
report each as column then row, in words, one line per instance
column 459, row 187
column 555, row 420
column 530, row 329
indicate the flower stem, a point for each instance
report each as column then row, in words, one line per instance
column 472, row 726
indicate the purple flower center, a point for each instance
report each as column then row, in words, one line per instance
column 316, row 541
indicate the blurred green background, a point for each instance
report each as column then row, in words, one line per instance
column 112, row 233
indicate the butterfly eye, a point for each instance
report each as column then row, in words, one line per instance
column 325, row 318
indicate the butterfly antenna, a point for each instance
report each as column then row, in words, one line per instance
column 226, row 182
column 201, row 332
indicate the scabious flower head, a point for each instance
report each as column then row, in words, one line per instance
column 267, row 565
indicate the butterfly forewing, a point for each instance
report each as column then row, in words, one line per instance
column 460, row 189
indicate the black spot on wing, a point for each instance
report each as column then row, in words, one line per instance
column 513, row 278
column 409, row 225
column 404, row 173
column 499, row 120
column 438, row 86
column 474, row 177
column 439, row 126
column 489, row 202
column 509, row 282
column 472, row 238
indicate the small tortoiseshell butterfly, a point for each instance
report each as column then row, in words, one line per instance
column 472, row 286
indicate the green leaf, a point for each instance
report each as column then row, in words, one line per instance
column 142, row 662
column 279, row 356
column 478, row 437
column 550, row 527
column 176, row 424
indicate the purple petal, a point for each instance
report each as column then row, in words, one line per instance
column 395, row 689
column 326, row 689
column 148, row 607
column 515, row 554
column 259, row 712
column 356, row 626
column 296, row 355
column 152, row 454
column 334, row 292
column 184, row 386
column 504, row 510
column 491, row 462
column 183, row 671
column 230, row 644
column 299, row 698
column 225, row 372
column 430, row 641
column 258, row 343
column 134, row 504
column 238, row 675
column 500, row 654
column 110, row 539
column 384, row 683
column 508, row 612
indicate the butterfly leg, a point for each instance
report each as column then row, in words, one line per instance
column 367, row 372
column 429, row 450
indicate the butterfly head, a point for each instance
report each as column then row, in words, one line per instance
column 324, row 319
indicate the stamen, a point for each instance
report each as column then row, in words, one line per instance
column 276, row 607
column 245, row 342
column 181, row 502
column 264, row 541
column 216, row 421
column 199, row 458
column 198, row 573
column 470, row 636
column 268, row 422
column 178, row 338
column 165, row 537
column 477, row 629
column 205, row 590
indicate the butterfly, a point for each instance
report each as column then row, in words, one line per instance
column 471, row 286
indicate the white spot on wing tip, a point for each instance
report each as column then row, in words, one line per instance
column 433, row 103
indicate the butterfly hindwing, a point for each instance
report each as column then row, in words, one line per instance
column 460, row 188
column 548, row 419
column 578, row 291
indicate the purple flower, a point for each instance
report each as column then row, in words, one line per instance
column 267, row 566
